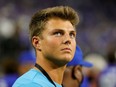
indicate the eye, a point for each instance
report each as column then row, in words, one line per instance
column 72, row 35
column 58, row 33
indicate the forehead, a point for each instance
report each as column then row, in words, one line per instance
column 57, row 23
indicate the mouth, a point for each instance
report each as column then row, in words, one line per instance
column 66, row 49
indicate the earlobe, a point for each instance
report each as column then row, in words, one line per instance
column 36, row 42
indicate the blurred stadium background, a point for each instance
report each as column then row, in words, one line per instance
column 96, row 35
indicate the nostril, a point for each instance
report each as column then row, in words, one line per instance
column 67, row 41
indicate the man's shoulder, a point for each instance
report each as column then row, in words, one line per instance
column 32, row 77
column 32, row 84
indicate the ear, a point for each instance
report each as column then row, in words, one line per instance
column 77, row 69
column 36, row 42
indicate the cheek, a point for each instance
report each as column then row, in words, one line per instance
column 74, row 46
column 53, row 42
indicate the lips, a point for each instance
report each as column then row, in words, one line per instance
column 66, row 49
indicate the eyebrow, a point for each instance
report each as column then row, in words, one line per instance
column 63, row 30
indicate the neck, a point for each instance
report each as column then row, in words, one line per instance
column 55, row 72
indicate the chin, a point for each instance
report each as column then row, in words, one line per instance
column 66, row 60
column 63, row 62
column 69, row 59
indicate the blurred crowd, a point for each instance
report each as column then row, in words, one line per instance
column 96, row 35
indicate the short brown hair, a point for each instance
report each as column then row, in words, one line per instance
column 40, row 18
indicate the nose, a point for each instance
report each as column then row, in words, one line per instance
column 67, row 40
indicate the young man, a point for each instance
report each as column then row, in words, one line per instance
column 73, row 74
column 53, row 35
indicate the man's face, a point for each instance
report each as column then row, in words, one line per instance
column 73, row 76
column 58, row 41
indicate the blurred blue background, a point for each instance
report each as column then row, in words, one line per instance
column 96, row 35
